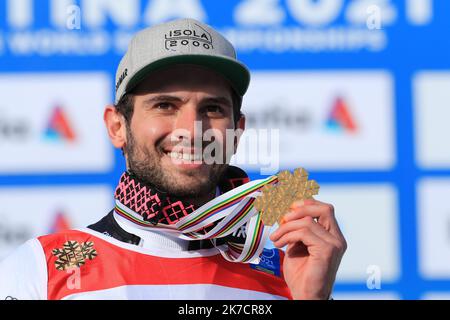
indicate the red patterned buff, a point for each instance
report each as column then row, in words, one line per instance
column 158, row 207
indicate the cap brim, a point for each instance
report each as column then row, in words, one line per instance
column 236, row 73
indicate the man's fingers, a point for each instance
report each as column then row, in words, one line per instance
column 304, row 235
column 306, row 222
column 324, row 212
column 310, row 207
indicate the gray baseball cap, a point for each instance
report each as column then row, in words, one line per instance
column 183, row 41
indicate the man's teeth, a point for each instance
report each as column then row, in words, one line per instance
column 185, row 156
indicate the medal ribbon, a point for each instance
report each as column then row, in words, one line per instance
column 226, row 213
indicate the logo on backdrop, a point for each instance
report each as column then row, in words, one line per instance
column 274, row 115
column 59, row 127
column 60, row 222
column 340, row 119
column 13, row 129
column 13, row 234
column 331, row 120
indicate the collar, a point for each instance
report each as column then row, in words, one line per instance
column 154, row 238
column 152, row 206
column 150, row 238
column 150, row 203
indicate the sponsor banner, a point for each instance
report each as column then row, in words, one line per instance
column 434, row 228
column 77, row 28
column 371, row 232
column 48, row 210
column 431, row 114
column 52, row 122
column 321, row 120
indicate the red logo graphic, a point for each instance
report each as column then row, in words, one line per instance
column 59, row 127
column 340, row 118
column 60, row 223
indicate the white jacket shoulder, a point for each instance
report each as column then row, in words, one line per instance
column 23, row 273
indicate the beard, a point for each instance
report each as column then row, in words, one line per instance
column 147, row 167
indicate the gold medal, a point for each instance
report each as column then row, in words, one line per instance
column 276, row 199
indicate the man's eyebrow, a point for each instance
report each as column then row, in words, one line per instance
column 162, row 98
column 169, row 98
column 219, row 100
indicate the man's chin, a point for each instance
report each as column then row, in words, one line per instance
column 190, row 194
column 191, row 183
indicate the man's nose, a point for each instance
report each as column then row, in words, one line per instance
column 188, row 125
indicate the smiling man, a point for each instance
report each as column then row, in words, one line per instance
column 181, row 227
column 161, row 119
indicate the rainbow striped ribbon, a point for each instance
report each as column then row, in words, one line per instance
column 230, row 211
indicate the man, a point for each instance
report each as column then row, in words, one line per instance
column 157, row 243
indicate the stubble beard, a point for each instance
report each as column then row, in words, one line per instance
column 146, row 166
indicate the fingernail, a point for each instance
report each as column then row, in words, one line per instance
column 282, row 220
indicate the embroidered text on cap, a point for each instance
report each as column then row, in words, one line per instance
column 196, row 37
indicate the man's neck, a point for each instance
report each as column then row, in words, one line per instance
column 156, row 206
column 198, row 201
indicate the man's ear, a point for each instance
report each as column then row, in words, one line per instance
column 240, row 127
column 241, row 122
column 115, row 125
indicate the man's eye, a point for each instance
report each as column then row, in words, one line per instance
column 214, row 109
column 163, row 106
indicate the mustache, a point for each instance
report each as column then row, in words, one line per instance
column 184, row 145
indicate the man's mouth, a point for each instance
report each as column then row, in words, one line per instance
column 184, row 156
column 187, row 155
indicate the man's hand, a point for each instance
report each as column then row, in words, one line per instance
column 315, row 249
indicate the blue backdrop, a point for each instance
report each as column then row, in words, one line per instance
column 412, row 36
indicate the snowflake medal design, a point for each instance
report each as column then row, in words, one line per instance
column 276, row 199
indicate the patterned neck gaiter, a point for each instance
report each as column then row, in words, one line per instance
column 158, row 207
